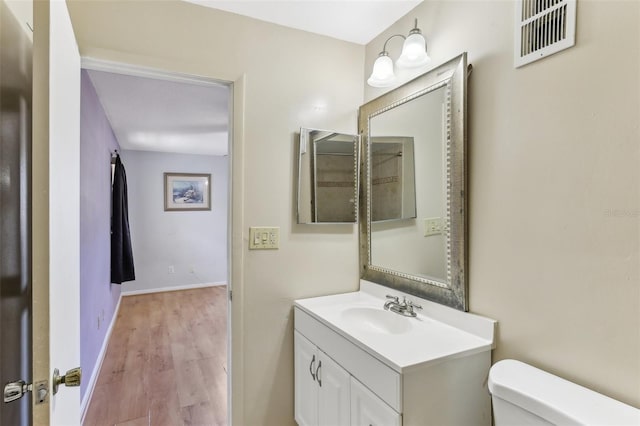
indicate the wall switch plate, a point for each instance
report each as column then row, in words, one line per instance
column 432, row 226
column 264, row 238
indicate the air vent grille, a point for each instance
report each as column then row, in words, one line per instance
column 543, row 27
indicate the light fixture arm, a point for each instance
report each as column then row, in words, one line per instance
column 384, row 47
column 415, row 29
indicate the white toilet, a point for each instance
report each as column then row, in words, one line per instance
column 524, row 395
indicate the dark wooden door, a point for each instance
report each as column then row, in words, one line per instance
column 15, row 214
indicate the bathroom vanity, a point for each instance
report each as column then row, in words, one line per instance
column 359, row 364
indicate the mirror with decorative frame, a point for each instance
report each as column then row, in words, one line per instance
column 422, row 252
column 328, row 171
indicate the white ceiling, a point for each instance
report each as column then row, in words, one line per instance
column 150, row 114
column 357, row 21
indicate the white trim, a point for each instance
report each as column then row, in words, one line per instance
column 84, row 404
column 139, row 71
column 236, row 88
column 174, row 288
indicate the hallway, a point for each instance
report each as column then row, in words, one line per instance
column 166, row 361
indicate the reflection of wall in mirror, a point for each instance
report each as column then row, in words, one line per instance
column 335, row 194
column 403, row 246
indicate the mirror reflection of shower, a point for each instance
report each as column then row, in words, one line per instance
column 328, row 177
column 393, row 181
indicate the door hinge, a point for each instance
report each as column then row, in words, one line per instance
column 231, row 295
column 16, row 390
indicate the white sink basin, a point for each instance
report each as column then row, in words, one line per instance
column 377, row 320
column 437, row 333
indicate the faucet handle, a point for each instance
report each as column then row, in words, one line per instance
column 413, row 305
column 395, row 298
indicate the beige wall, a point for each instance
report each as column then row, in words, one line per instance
column 287, row 79
column 547, row 260
column 554, row 186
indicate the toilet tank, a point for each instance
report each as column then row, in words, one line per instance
column 524, row 395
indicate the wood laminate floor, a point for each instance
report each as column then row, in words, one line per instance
column 166, row 362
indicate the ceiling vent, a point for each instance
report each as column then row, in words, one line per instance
column 543, row 27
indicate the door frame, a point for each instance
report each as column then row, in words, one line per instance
column 235, row 218
column 89, row 63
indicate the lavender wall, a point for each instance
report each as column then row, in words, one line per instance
column 98, row 297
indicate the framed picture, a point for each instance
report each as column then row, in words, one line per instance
column 187, row 191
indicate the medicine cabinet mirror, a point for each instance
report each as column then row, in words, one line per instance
column 413, row 220
column 328, row 171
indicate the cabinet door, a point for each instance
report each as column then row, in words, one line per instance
column 333, row 401
column 306, row 386
column 369, row 410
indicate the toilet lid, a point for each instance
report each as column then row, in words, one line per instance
column 556, row 400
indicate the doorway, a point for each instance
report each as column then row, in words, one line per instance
column 177, row 253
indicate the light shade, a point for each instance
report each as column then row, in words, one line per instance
column 414, row 51
column 382, row 74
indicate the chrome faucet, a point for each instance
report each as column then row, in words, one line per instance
column 392, row 302
column 406, row 307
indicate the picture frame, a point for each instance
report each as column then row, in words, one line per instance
column 187, row 191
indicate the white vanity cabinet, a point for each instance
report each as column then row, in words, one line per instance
column 321, row 387
column 369, row 410
column 357, row 364
column 326, row 394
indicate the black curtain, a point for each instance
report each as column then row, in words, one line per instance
column 121, row 254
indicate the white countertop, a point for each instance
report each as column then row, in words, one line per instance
column 436, row 334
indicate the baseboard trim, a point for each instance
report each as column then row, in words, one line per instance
column 84, row 405
column 174, row 288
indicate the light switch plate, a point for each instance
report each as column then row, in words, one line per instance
column 264, row 238
column 432, row 226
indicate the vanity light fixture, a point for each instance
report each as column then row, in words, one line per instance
column 414, row 55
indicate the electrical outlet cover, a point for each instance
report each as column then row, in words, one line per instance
column 432, row 226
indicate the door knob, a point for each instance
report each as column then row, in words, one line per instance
column 16, row 390
column 71, row 378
